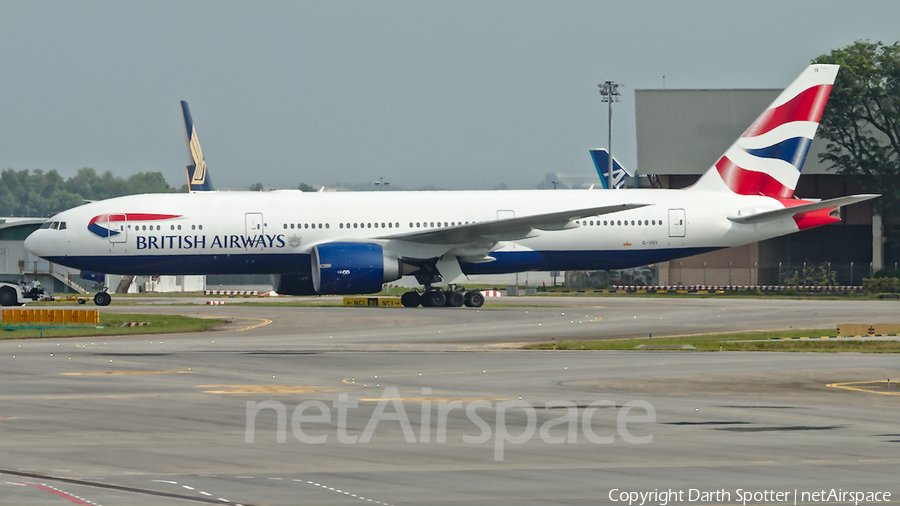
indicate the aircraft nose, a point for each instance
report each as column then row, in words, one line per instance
column 34, row 243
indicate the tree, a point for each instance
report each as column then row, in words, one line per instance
column 256, row 187
column 305, row 188
column 862, row 120
column 39, row 193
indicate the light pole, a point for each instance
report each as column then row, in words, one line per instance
column 381, row 183
column 609, row 91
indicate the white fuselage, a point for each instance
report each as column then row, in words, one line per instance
column 274, row 232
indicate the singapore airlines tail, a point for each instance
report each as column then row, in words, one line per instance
column 198, row 178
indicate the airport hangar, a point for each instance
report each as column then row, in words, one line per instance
column 682, row 132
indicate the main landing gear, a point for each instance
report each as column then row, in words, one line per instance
column 455, row 296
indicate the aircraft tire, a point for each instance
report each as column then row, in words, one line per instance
column 8, row 296
column 102, row 299
column 435, row 298
column 474, row 299
column 411, row 299
column 455, row 299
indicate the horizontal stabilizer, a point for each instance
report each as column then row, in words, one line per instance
column 778, row 214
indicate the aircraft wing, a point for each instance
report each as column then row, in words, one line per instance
column 508, row 229
column 802, row 208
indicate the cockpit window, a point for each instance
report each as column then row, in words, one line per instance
column 54, row 225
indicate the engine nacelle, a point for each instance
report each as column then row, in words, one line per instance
column 293, row 284
column 350, row 267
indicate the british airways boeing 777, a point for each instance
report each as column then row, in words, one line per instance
column 353, row 242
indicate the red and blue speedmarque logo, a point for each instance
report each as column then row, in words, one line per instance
column 99, row 225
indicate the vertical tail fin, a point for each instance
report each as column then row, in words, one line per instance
column 767, row 158
column 198, row 178
column 601, row 163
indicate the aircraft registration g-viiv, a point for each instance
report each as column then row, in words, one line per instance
column 353, row 242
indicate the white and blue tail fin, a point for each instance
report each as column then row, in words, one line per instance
column 601, row 163
column 198, row 178
column 767, row 158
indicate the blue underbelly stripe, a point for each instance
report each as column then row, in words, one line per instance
column 299, row 263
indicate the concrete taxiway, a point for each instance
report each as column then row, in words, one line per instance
column 164, row 419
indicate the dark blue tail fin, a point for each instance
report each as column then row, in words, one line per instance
column 198, row 178
column 601, row 162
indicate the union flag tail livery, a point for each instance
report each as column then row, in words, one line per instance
column 766, row 160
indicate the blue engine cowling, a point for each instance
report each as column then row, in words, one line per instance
column 350, row 267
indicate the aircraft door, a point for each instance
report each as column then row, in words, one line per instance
column 677, row 223
column 254, row 222
column 504, row 214
column 117, row 225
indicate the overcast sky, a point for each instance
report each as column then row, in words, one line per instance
column 454, row 95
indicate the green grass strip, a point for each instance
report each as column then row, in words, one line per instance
column 112, row 326
column 738, row 341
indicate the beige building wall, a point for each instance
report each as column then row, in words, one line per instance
column 732, row 266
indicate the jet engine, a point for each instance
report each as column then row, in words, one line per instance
column 351, row 267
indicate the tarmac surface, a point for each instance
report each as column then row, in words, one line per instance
column 343, row 406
